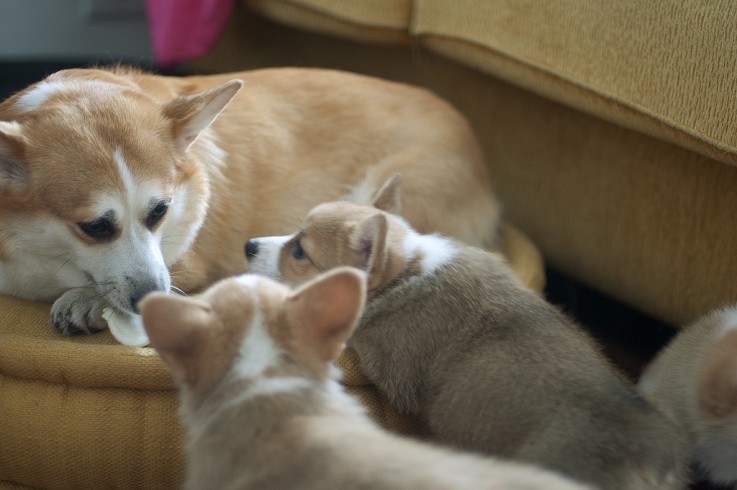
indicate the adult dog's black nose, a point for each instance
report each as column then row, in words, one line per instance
column 251, row 249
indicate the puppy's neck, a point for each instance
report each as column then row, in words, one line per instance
column 266, row 402
column 412, row 255
column 429, row 252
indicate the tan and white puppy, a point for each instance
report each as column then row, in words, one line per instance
column 451, row 335
column 262, row 406
column 694, row 380
column 114, row 183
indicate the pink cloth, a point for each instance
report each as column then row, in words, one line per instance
column 185, row 29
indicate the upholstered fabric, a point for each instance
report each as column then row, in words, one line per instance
column 87, row 413
column 664, row 67
column 382, row 21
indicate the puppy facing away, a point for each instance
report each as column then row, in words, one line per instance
column 694, row 380
column 115, row 182
column 262, row 405
column 450, row 334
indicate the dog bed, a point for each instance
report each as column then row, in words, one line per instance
column 87, row 412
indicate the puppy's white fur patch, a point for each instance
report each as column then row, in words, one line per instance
column 275, row 385
column 248, row 280
column 267, row 260
column 435, row 250
column 258, row 352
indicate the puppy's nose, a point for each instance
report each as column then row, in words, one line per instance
column 251, row 249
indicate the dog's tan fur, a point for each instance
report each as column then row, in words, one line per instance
column 450, row 334
column 283, row 421
column 290, row 139
column 694, row 380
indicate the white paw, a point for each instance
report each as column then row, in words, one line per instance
column 78, row 311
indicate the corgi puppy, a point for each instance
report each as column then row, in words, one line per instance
column 262, row 406
column 449, row 334
column 694, row 381
column 115, row 182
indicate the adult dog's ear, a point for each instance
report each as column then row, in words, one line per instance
column 13, row 170
column 389, row 197
column 191, row 114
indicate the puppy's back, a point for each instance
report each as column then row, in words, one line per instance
column 494, row 368
column 350, row 453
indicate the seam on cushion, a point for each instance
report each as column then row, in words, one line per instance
column 86, row 387
column 123, row 373
column 336, row 16
column 17, row 485
column 723, row 151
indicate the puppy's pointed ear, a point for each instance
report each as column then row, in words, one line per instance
column 190, row 114
column 370, row 248
column 325, row 311
column 13, row 171
column 389, row 197
column 177, row 328
column 717, row 384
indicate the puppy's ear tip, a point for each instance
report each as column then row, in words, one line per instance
column 717, row 387
column 389, row 197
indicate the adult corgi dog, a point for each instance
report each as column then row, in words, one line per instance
column 450, row 334
column 114, row 183
column 262, row 406
column 694, row 380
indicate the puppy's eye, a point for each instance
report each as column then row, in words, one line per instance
column 297, row 251
column 101, row 228
column 156, row 214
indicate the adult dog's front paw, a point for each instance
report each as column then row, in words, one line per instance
column 78, row 311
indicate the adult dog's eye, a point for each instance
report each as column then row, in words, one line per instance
column 101, row 228
column 297, row 251
column 156, row 214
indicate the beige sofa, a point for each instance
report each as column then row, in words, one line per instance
column 610, row 127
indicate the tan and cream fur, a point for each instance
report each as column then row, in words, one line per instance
column 450, row 334
column 694, row 381
column 115, row 182
column 262, row 406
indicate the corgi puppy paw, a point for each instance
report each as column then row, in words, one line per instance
column 78, row 311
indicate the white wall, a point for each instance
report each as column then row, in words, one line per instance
column 70, row 30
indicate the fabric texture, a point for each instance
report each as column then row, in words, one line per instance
column 85, row 412
column 664, row 67
column 379, row 21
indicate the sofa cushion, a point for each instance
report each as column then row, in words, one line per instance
column 666, row 68
column 382, row 21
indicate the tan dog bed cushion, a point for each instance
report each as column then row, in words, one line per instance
column 87, row 412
